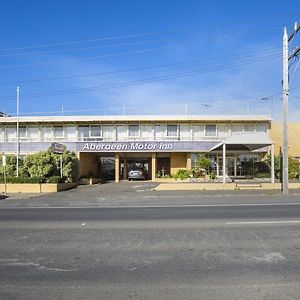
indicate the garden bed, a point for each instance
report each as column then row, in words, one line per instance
column 37, row 187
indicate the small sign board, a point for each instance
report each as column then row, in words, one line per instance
column 58, row 148
column 3, row 160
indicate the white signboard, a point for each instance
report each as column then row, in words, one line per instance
column 3, row 160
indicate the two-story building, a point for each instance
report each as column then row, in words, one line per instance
column 160, row 143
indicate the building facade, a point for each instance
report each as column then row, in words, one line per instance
column 161, row 144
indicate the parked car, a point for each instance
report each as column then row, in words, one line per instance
column 137, row 173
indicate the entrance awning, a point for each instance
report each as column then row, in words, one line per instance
column 245, row 141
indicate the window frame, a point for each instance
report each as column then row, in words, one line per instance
column 210, row 136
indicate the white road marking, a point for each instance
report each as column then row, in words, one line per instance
column 263, row 222
column 154, row 206
column 36, row 265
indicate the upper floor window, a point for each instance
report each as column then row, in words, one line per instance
column 185, row 132
column 172, row 130
column 10, row 133
column 159, row 132
column 83, row 131
column 236, row 129
column 33, row 133
column 198, row 131
column 22, row 132
column 108, row 132
column 210, row 130
column 47, row 132
column 95, row 131
column 261, row 128
column 249, row 127
column 121, row 132
column 58, row 131
column 146, row 131
column 133, row 130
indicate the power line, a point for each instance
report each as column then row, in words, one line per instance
column 83, row 59
column 134, row 35
column 148, row 80
column 215, row 59
column 91, row 47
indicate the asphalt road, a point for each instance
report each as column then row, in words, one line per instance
column 218, row 251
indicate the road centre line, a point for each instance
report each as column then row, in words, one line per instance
column 263, row 222
column 154, row 206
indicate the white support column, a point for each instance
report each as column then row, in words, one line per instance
column 153, row 166
column 235, row 164
column 224, row 163
column 272, row 164
column 117, row 167
column 218, row 169
column 125, row 167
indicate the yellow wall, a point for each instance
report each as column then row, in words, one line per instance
column 294, row 137
column 88, row 164
column 178, row 161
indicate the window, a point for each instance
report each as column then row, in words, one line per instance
column 133, row 130
column 22, row 132
column 10, row 134
column 261, row 128
column 95, row 130
column 171, row 130
column 108, row 132
column 1, row 135
column 222, row 130
column 236, row 129
column 159, row 132
column 210, row 130
column 71, row 133
column 58, row 131
column 146, row 131
column 185, row 132
column 47, row 132
column 121, row 132
column 33, row 133
column 83, row 132
column 198, row 131
column 249, row 128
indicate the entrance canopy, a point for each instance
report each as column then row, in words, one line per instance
column 245, row 141
column 248, row 142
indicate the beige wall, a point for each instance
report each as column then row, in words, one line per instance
column 178, row 161
column 294, row 137
column 88, row 164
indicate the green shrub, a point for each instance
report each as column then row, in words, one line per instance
column 213, row 175
column 56, row 179
column 263, row 175
column 22, row 179
column 183, row 174
column 204, row 163
column 294, row 166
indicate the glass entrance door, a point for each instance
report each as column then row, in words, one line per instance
column 229, row 166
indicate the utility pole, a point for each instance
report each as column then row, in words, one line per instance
column 18, row 144
column 285, row 97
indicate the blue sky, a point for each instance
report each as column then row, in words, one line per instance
column 145, row 57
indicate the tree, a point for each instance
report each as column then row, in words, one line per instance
column 47, row 164
column 11, row 165
column 204, row 163
column 294, row 166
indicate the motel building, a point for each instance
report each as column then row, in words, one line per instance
column 110, row 145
